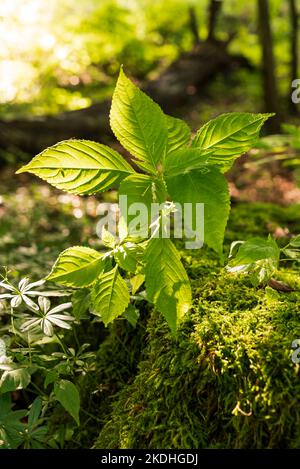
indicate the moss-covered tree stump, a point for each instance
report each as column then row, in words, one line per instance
column 227, row 380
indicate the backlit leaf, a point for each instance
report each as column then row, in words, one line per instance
column 79, row 167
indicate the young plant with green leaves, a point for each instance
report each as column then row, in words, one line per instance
column 259, row 258
column 171, row 168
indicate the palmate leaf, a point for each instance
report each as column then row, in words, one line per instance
column 11, row 425
column 229, row 136
column 110, row 296
column 78, row 266
column 79, row 167
column 139, row 124
column 210, row 188
column 167, row 284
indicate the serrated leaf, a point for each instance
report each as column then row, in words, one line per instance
column 79, row 167
column 77, row 266
column 110, row 296
column 108, row 239
column 179, row 134
column 186, row 160
column 68, row 395
column 128, row 255
column 229, row 136
column 210, row 188
column 167, row 284
column 139, row 124
column 140, row 189
column 143, row 188
column 13, row 380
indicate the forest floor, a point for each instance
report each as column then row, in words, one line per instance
column 228, row 379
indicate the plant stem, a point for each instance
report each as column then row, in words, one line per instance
column 61, row 344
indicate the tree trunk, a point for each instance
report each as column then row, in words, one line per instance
column 294, row 21
column 213, row 14
column 194, row 25
column 268, row 66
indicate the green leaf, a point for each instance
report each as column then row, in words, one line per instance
column 256, row 249
column 79, row 167
column 139, row 124
column 132, row 315
column 110, row 296
column 295, row 242
column 80, row 303
column 210, row 188
column 185, row 160
column 108, row 239
column 136, row 282
column 257, row 257
column 68, row 395
column 77, row 266
column 51, row 377
column 34, row 412
column 13, row 380
column 141, row 189
column 292, row 254
column 11, row 426
column 179, row 134
column 167, row 284
column 128, row 255
column 229, row 136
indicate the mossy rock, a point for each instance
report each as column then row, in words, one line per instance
column 227, row 380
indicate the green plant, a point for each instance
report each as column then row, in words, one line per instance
column 29, row 360
column 174, row 170
column 259, row 257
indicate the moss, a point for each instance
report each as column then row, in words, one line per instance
column 227, row 380
column 116, row 364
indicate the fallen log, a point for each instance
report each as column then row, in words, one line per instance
column 174, row 88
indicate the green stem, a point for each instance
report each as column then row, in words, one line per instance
column 12, row 320
column 61, row 344
column 40, row 391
